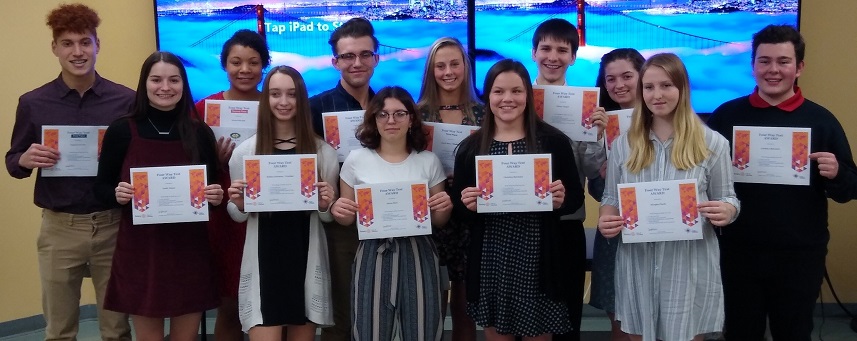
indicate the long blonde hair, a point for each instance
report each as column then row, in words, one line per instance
column 430, row 98
column 689, row 148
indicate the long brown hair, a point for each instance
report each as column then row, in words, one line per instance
column 429, row 96
column 306, row 140
column 485, row 135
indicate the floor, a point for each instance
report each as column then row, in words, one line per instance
column 595, row 327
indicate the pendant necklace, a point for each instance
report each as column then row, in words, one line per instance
column 158, row 130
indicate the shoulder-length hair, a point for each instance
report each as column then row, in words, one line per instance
column 532, row 122
column 689, row 148
column 368, row 134
column 186, row 121
column 631, row 55
column 305, row 137
column 429, row 95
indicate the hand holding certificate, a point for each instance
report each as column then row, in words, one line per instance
column 339, row 131
column 233, row 121
column 280, row 183
column 169, row 194
column 395, row 209
column 771, row 155
column 79, row 146
column 514, row 183
column 569, row 109
column 660, row 211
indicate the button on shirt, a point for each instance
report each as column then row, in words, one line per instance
column 56, row 104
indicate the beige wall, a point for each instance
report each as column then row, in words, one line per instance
column 127, row 37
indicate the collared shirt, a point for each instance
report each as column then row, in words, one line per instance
column 56, row 104
column 336, row 99
column 788, row 105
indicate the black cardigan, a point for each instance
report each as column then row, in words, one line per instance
column 557, row 256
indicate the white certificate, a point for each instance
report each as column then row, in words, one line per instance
column 79, row 148
column 660, row 211
column 339, row 131
column 169, row 194
column 618, row 123
column 771, row 155
column 514, row 183
column 394, row 209
column 569, row 109
column 443, row 138
column 232, row 120
column 280, row 183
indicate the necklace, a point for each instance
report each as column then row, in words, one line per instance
column 291, row 140
column 158, row 130
column 450, row 107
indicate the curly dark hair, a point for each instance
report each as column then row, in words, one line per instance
column 368, row 134
column 249, row 39
column 77, row 18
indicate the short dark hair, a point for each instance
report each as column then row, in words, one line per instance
column 367, row 132
column 776, row 34
column 77, row 18
column 629, row 54
column 558, row 29
column 249, row 39
column 354, row 28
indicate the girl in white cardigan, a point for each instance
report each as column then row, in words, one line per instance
column 284, row 271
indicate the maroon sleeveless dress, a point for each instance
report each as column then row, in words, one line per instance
column 159, row 270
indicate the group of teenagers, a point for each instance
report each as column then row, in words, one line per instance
column 513, row 274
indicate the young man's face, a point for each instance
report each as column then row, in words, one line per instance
column 553, row 58
column 775, row 69
column 76, row 52
column 355, row 60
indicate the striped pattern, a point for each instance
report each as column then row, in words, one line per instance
column 671, row 290
column 396, row 290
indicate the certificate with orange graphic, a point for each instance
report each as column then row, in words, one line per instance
column 514, row 183
column 280, row 183
column 771, row 155
column 660, row 211
column 339, row 131
column 232, row 120
column 392, row 209
column 173, row 194
column 79, row 147
column 569, row 109
column 618, row 122
column 444, row 138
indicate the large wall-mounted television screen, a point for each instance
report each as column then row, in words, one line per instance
column 712, row 37
column 297, row 35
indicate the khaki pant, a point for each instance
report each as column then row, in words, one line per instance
column 342, row 247
column 71, row 247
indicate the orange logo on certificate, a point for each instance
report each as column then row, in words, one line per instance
column 741, row 160
column 612, row 129
column 307, row 177
column 365, row 211
column 197, row 188
column 420, row 201
column 141, row 191
column 800, row 150
column 51, row 138
column 541, row 173
column 252, row 174
column 539, row 100
column 331, row 131
column 486, row 178
column 101, row 132
column 429, row 132
column 212, row 114
column 590, row 101
column 628, row 195
column 689, row 209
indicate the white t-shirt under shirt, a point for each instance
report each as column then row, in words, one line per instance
column 365, row 166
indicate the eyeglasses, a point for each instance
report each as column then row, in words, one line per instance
column 352, row 57
column 397, row 116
